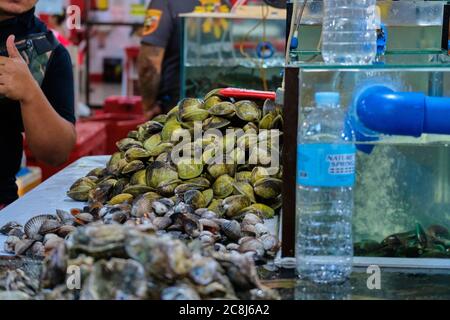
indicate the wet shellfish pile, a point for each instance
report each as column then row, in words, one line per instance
column 223, row 204
column 121, row 262
column 156, row 228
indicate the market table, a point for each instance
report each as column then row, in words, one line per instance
column 50, row 195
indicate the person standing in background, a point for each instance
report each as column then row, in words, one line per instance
column 159, row 58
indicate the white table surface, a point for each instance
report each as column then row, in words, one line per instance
column 50, row 195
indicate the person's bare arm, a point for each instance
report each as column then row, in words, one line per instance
column 50, row 137
column 150, row 66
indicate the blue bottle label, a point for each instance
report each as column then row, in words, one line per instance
column 326, row 165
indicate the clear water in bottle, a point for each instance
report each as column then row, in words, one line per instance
column 349, row 33
column 326, row 175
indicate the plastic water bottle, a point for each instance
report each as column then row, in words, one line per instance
column 326, row 176
column 349, row 33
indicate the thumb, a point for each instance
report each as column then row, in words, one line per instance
column 11, row 47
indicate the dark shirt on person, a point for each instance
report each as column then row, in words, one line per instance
column 58, row 87
column 163, row 29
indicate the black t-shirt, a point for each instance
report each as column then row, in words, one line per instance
column 58, row 87
column 163, row 29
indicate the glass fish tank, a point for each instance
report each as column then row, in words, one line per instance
column 402, row 191
column 409, row 25
column 232, row 50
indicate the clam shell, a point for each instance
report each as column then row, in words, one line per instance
column 233, row 247
column 191, row 225
column 215, row 123
column 232, row 206
column 220, row 248
column 16, row 232
column 188, row 169
column 84, row 218
column 128, row 143
column 211, row 102
column 37, row 250
column 249, row 230
column 52, row 243
column 65, row 217
column 244, row 189
column 137, row 154
column 23, row 246
column 253, row 245
column 248, row 111
column 269, row 188
column 80, row 193
column 162, row 118
column 49, row 237
column 223, row 186
column 209, row 215
column 64, row 231
column 10, row 244
column 261, row 229
column 232, row 229
column 223, row 109
column 133, row 167
column 6, row 229
column 162, row 223
column 271, row 243
column 121, row 198
column 251, row 219
column 49, row 226
column 209, row 225
column 159, row 208
column 195, row 198
column 33, row 226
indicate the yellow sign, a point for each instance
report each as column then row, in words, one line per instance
column 138, row 10
column 215, row 26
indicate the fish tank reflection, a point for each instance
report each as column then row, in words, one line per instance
column 228, row 50
column 402, row 193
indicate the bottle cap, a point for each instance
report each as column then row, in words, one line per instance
column 327, row 98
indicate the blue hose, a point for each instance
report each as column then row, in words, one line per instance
column 380, row 110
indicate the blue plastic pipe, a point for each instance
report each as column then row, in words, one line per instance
column 385, row 111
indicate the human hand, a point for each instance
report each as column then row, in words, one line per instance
column 16, row 81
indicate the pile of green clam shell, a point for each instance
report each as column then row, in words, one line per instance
column 143, row 162
column 226, row 202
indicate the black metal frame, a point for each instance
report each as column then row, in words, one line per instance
column 289, row 156
column 446, row 28
column 291, row 116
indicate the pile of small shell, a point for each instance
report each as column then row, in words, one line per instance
column 248, row 234
column 223, row 205
column 121, row 262
column 40, row 235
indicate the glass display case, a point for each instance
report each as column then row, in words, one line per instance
column 410, row 25
column 402, row 193
column 232, row 50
